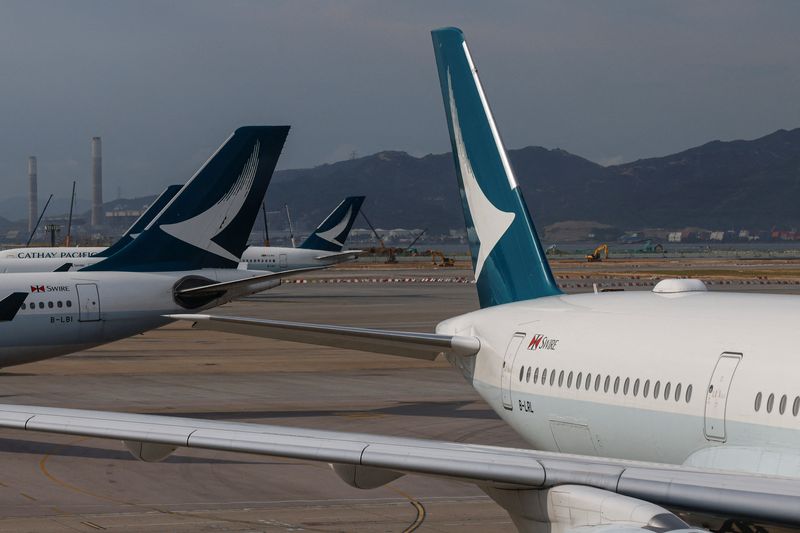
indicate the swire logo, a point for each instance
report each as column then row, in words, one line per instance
column 540, row 342
column 49, row 288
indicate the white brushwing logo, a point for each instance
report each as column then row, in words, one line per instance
column 201, row 229
column 330, row 235
column 490, row 222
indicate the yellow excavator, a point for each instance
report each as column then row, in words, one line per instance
column 595, row 256
column 440, row 260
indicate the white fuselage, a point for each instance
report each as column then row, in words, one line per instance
column 70, row 311
column 265, row 258
column 671, row 378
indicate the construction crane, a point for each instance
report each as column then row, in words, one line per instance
column 408, row 249
column 595, row 256
column 38, row 221
column 390, row 252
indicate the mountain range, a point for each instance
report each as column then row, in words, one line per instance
column 719, row 185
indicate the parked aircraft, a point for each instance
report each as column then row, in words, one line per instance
column 322, row 248
column 65, row 258
column 684, row 412
column 186, row 258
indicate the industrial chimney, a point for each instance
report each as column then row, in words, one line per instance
column 97, row 183
column 33, row 196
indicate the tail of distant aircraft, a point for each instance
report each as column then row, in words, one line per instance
column 142, row 222
column 207, row 224
column 332, row 233
column 507, row 256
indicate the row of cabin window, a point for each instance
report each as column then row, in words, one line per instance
column 59, row 303
column 781, row 404
column 587, row 384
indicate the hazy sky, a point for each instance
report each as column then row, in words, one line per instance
column 164, row 83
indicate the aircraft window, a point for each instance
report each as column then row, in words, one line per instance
column 646, row 390
column 688, row 394
column 667, row 387
column 521, row 372
column 69, row 303
column 616, row 385
column 528, row 376
column 782, row 405
column 41, row 305
column 757, row 405
column 678, row 392
column 626, row 386
column 60, row 303
column 552, row 377
column 33, row 305
column 569, row 380
column 544, row 377
column 597, row 383
column 636, row 387
column 536, row 376
column 656, row 389
column 770, row 402
column 796, row 406
column 579, row 381
column 561, row 378
column 607, row 383
column 588, row 381
column 50, row 304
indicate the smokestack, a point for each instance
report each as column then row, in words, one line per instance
column 33, row 196
column 98, row 217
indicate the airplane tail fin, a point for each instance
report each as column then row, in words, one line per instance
column 332, row 233
column 507, row 256
column 208, row 222
column 141, row 223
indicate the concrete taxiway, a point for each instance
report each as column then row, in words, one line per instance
column 54, row 483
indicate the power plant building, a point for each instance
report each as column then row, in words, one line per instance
column 98, row 217
column 33, row 194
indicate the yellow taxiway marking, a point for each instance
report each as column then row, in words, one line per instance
column 417, row 505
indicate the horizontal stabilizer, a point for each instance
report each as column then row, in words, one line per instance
column 242, row 284
column 9, row 306
column 402, row 343
column 347, row 255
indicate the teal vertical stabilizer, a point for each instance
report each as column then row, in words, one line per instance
column 507, row 257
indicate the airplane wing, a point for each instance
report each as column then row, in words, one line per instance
column 406, row 344
column 369, row 461
column 345, row 255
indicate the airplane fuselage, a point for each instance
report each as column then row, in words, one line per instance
column 696, row 378
column 270, row 259
column 70, row 311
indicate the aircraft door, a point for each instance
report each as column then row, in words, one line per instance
column 88, row 302
column 283, row 261
column 717, row 395
column 508, row 365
